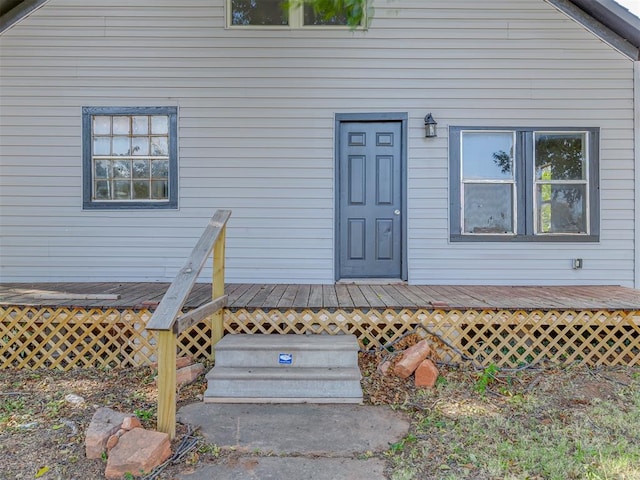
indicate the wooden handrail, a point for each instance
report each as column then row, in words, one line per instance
column 175, row 297
column 168, row 320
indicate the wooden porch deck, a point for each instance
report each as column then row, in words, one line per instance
column 339, row 296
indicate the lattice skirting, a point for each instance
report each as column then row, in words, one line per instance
column 64, row 338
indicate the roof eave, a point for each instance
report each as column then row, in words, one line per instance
column 598, row 28
column 17, row 13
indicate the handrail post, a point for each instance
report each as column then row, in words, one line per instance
column 169, row 320
column 217, row 319
column 167, row 382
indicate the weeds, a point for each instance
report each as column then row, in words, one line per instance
column 487, row 377
column 549, row 432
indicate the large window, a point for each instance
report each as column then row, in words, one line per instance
column 278, row 13
column 130, row 157
column 524, row 184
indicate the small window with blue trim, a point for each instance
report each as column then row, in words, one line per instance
column 130, row 157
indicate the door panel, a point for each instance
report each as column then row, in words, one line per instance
column 370, row 199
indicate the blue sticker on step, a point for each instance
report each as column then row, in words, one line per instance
column 285, row 358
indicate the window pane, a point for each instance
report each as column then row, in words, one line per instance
column 488, row 208
column 102, row 146
column 561, row 208
column 140, row 146
column 160, row 146
column 141, row 125
column 122, row 189
column 141, row 189
column 121, row 125
column 560, row 156
column 487, row 155
column 103, row 192
column 120, row 146
column 141, row 169
column 101, row 125
column 103, row 169
column 311, row 17
column 159, row 189
column 160, row 125
column 121, row 169
column 259, row 12
column 159, row 168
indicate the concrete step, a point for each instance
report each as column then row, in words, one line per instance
column 298, row 351
column 283, row 385
column 285, row 369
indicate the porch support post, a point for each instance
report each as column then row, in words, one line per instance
column 217, row 320
column 167, row 382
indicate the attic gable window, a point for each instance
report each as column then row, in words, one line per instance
column 278, row 13
column 524, row 184
column 130, row 157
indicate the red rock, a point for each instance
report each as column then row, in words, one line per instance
column 426, row 374
column 383, row 368
column 104, row 423
column 181, row 362
column 138, row 451
column 411, row 358
column 188, row 374
column 112, row 442
column 129, row 423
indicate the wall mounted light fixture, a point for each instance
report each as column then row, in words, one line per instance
column 430, row 127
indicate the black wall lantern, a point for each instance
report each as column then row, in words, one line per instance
column 430, row 127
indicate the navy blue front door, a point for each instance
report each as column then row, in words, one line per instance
column 370, row 199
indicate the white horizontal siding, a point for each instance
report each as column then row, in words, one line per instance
column 256, row 121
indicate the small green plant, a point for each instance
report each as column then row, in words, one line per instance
column 143, row 414
column 11, row 405
column 129, row 476
column 210, row 448
column 487, row 377
column 53, row 407
column 399, row 445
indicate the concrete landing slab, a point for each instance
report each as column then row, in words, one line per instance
column 264, row 468
column 298, row 429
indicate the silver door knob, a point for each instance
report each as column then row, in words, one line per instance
column 397, row 212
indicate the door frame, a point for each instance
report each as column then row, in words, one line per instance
column 403, row 119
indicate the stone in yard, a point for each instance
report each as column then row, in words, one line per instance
column 411, row 358
column 426, row 374
column 383, row 368
column 105, row 422
column 113, row 439
column 138, row 451
column 181, row 362
column 188, row 374
column 74, row 399
column 129, row 423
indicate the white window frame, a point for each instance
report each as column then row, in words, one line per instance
column 525, row 216
column 512, row 182
column 296, row 21
column 584, row 181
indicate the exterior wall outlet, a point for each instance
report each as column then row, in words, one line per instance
column 577, row 263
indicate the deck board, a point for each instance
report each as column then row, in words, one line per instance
column 346, row 296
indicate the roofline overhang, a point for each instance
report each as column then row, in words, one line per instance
column 19, row 12
column 602, row 31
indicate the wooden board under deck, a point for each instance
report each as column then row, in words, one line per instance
column 344, row 296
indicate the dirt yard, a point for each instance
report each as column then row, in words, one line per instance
column 535, row 423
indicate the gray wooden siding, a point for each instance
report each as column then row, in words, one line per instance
column 256, row 119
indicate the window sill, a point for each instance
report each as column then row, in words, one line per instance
column 129, row 206
column 457, row 238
